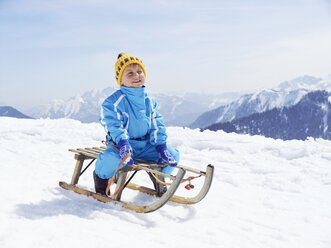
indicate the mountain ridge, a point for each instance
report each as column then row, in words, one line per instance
column 9, row 111
column 310, row 117
column 178, row 110
column 286, row 94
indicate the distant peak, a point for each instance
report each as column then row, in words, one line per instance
column 10, row 111
column 303, row 82
column 306, row 79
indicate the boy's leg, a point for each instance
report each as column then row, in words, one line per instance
column 107, row 163
column 105, row 167
column 100, row 184
column 149, row 153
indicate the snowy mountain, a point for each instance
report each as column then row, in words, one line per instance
column 247, row 105
column 310, row 117
column 286, row 94
column 265, row 192
column 9, row 111
column 85, row 107
column 178, row 110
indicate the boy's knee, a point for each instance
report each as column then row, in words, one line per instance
column 106, row 164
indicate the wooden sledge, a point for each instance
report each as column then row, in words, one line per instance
column 84, row 154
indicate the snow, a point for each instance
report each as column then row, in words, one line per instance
column 265, row 193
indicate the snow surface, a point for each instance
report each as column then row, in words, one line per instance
column 265, row 193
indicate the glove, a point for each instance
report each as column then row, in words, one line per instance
column 125, row 148
column 165, row 156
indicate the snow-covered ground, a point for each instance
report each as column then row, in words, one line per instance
column 265, row 193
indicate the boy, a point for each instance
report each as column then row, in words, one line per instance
column 134, row 126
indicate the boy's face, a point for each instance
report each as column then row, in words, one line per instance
column 133, row 76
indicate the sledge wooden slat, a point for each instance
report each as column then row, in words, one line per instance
column 91, row 150
column 87, row 151
column 94, row 150
column 73, row 150
column 99, row 149
column 81, row 150
column 76, row 151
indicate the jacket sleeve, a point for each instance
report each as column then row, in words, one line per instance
column 158, row 133
column 112, row 121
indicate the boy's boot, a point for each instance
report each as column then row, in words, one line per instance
column 100, row 184
column 159, row 188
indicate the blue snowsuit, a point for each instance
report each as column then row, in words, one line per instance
column 129, row 113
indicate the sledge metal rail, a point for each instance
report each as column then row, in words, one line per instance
column 180, row 199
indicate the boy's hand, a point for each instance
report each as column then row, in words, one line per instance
column 165, row 156
column 125, row 149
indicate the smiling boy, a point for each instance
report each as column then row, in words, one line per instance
column 135, row 128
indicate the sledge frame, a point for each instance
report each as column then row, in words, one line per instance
column 92, row 153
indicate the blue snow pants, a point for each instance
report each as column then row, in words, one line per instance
column 108, row 161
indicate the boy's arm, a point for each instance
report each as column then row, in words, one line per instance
column 159, row 138
column 112, row 121
column 158, row 133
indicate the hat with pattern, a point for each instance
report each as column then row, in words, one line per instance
column 123, row 60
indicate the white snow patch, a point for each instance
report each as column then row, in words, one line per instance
column 265, row 192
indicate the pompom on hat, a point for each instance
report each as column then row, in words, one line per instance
column 123, row 60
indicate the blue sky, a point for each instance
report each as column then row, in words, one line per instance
column 56, row 49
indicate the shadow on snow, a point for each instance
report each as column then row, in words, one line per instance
column 87, row 208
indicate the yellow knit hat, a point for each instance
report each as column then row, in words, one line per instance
column 123, row 60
